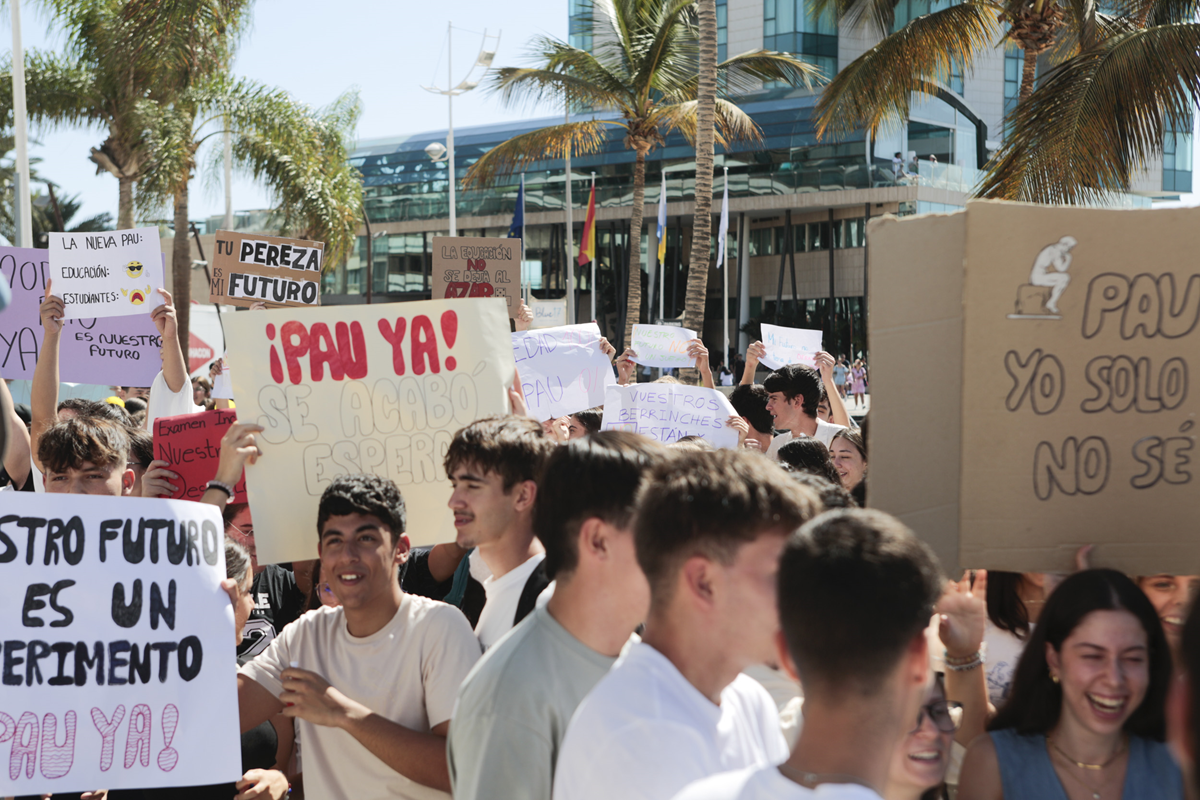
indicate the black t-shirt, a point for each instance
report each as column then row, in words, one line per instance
column 5, row 480
column 277, row 602
column 415, row 578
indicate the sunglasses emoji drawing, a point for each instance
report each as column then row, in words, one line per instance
column 137, row 297
column 134, row 269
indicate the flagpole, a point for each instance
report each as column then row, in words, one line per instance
column 22, row 209
column 725, row 276
column 662, row 267
column 593, row 261
column 570, row 295
column 528, row 288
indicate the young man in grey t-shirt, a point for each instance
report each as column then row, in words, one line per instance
column 514, row 707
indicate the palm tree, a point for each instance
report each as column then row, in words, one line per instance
column 645, row 70
column 706, row 104
column 1093, row 119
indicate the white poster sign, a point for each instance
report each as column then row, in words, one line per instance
column 107, row 274
column 562, row 369
column 662, row 346
column 549, row 313
column 118, row 657
column 789, row 346
column 222, row 385
column 667, row 412
column 378, row 389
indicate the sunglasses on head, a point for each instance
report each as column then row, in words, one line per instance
column 946, row 716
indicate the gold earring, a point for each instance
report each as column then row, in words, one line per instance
column 1053, row 677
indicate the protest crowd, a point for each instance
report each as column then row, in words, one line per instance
column 621, row 615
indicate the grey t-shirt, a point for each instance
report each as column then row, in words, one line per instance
column 513, row 710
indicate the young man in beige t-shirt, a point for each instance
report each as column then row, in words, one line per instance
column 372, row 682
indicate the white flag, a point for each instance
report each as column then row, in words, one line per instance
column 723, row 228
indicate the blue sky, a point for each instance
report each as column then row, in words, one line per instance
column 317, row 50
column 387, row 49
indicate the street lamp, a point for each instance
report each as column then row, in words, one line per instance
column 483, row 62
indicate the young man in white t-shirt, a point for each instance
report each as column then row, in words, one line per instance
column 856, row 591
column 371, row 683
column 793, row 394
column 675, row 708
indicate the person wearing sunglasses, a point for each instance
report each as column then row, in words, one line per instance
column 920, row 760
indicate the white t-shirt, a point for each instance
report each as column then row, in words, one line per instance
column 409, row 671
column 165, row 403
column 645, row 732
column 769, row 784
column 1002, row 650
column 503, row 594
column 824, row 434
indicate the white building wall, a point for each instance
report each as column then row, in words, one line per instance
column 983, row 90
column 744, row 29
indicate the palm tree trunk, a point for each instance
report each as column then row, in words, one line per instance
column 1028, row 74
column 125, row 203
column 633, row 297
column 697, row 280
column 181, row 269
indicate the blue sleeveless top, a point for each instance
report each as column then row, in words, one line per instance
column 1026, row 772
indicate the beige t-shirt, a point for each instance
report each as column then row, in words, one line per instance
column 409, row 672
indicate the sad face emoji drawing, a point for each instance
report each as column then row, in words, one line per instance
column 137, row 296
column 134, row 269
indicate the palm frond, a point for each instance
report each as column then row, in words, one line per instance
column 878, row 15
column 744, row 74
column 531, row 87
column 1098, row 117
column 732, row 124
column 58, row 91
column 523, row 151
column 878, row 84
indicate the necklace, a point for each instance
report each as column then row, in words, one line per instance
column 811, row 779
column 1090, row 767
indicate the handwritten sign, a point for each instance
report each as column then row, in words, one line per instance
column 191, row 445
column 549, row 313
column 375, row 389
column 222, row 385
column 107, row 274
column 562, row 369
column 789, row 346
column 111, row 350
column 249, row 268
column 474, row 267
column 1077, row 355
column 662, row 346
column 667, row 412
column 118, row 645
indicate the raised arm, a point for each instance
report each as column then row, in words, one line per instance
column 753, row 353
column 837, row 407
column 963, row 618
column 43, row 400
column 14, row 440
column 174, row 366
column 698, row 351
column 238, row 448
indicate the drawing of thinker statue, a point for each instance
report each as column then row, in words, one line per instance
column 1049, row 272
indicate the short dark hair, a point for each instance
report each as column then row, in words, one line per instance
column 141, row 447
column 363, row 494
column 711, row 503
column 750, row 401
column 809, row 455
column 797, row 380
column 135, row 404
column 95, row 409
column 1005, row 608
column 590, row 418
column 1189, row 650
column 832, row 495
column 68, row 444
column 855, row 588
column 515, row 448
column 1035, row 701
column 595, row 476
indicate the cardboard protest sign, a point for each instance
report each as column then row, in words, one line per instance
column 562, row 369
column 112, row 350
column 191, row 445
column 667, row 412
column 662, row 346
column 1077, row 349
column 475, row 267
column 107, row 274
column 249, row 268
column 362, row 389
column 789, row 346
column 549, row 313
column 118, row 657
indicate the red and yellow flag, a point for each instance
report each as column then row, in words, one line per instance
column 587, row 245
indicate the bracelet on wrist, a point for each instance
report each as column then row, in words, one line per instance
column 224, row 487
column 963, row 664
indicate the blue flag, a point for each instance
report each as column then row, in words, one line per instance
column 514, row 230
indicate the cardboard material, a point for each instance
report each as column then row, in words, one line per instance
column 476, row 267
column 790, row 346
column 667, row 412
column 351, row 389
column 249, row 268
column 662, row 346
column 1079, row 342
column 107, row 274
column 118, row 645
column 191, row 445
column 562, row 369
column 121, row 351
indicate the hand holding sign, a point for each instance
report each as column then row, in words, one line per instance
column 662, row 346
column 789, row 346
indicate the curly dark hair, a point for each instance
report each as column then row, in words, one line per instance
column 363, row 494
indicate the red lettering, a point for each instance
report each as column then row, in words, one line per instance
column 321, row 352
column 457, row 289
column 293, row 350
column 395, row 339
column 137, row 746
column 108, row 734
column 356, row 365
column 424, row 346
column 482, row 290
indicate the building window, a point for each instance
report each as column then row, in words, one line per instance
column 1014, row 64
column 788, row 28
column 1177, row 155
column 580, row 24
column 908, row 10
column 722, row 30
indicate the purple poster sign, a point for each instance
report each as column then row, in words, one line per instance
column 120, row 351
